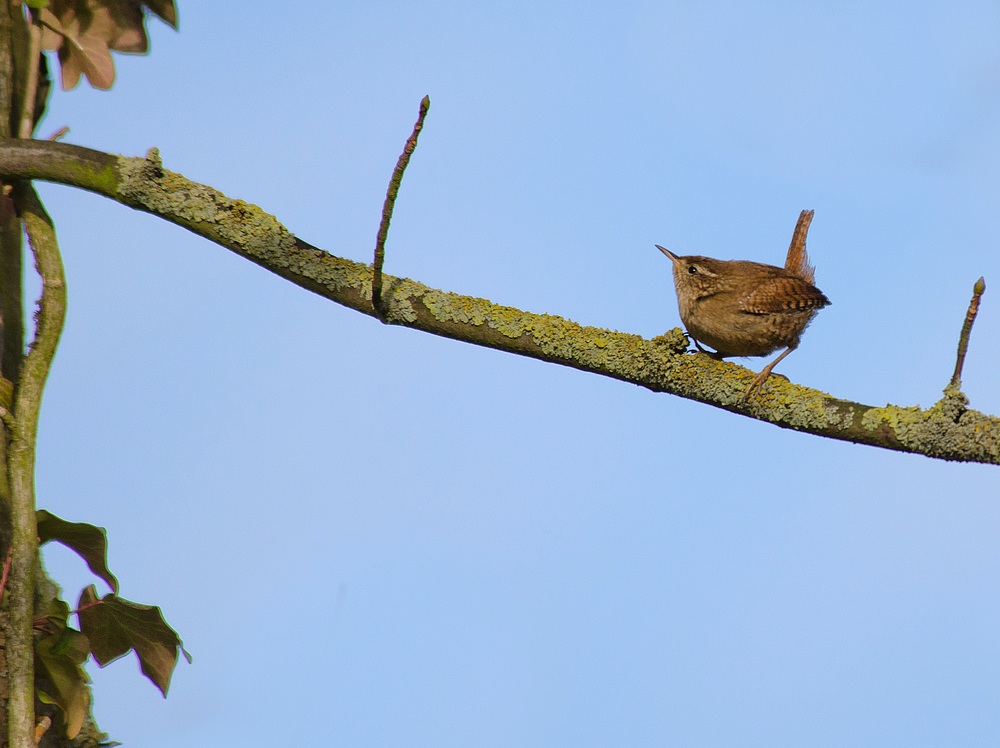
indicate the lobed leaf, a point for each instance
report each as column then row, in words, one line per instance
column 85, row 32
column 114, row 626
column 89, row 542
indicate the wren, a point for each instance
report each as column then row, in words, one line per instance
column 743, row 308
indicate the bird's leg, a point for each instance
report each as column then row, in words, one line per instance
column 758, row 382
column 712, row 354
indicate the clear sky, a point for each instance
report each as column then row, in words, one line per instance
column 369, row 536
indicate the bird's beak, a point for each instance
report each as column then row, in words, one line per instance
column 673, row 258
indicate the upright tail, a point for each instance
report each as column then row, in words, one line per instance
column 798, row 259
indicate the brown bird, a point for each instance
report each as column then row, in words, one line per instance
column 743, row 308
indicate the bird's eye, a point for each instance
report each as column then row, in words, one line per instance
column 692, row 270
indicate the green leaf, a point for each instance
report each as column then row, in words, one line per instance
column 73, row 644
column 88, row 541
column 55, row 610
column 114, row 626
column 59, row 677
column 59, row 653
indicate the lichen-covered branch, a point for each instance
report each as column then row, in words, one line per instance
column 948, row 430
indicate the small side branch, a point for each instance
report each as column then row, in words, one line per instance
column 963, row 340
column 390, row 203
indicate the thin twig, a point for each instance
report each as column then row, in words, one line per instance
column 963, row 340
column 27, row 120
column 61, row 132
column 390, row 202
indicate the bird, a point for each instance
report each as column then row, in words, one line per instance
column 742, row 308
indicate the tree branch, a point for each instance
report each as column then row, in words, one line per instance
column 21, row 462
column 948, row 430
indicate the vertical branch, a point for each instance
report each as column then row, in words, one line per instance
column 21, row 461
column 389, row 204
column 13, row 33
column 963, row 339
column 11, row 26
column 8, row 86
column 26, row 124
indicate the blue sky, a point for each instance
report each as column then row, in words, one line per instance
column 370, row 536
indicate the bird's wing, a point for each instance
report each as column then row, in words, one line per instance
column 783, row 294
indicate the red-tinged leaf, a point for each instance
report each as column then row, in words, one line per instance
column 90, row 56
column 85, row 32
column 89, row 542
column 60, row 680
column 165, row 9
column 122, row 24
column 114, row 626
column 70, row 67
column 53, row 33
column 130, row 40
